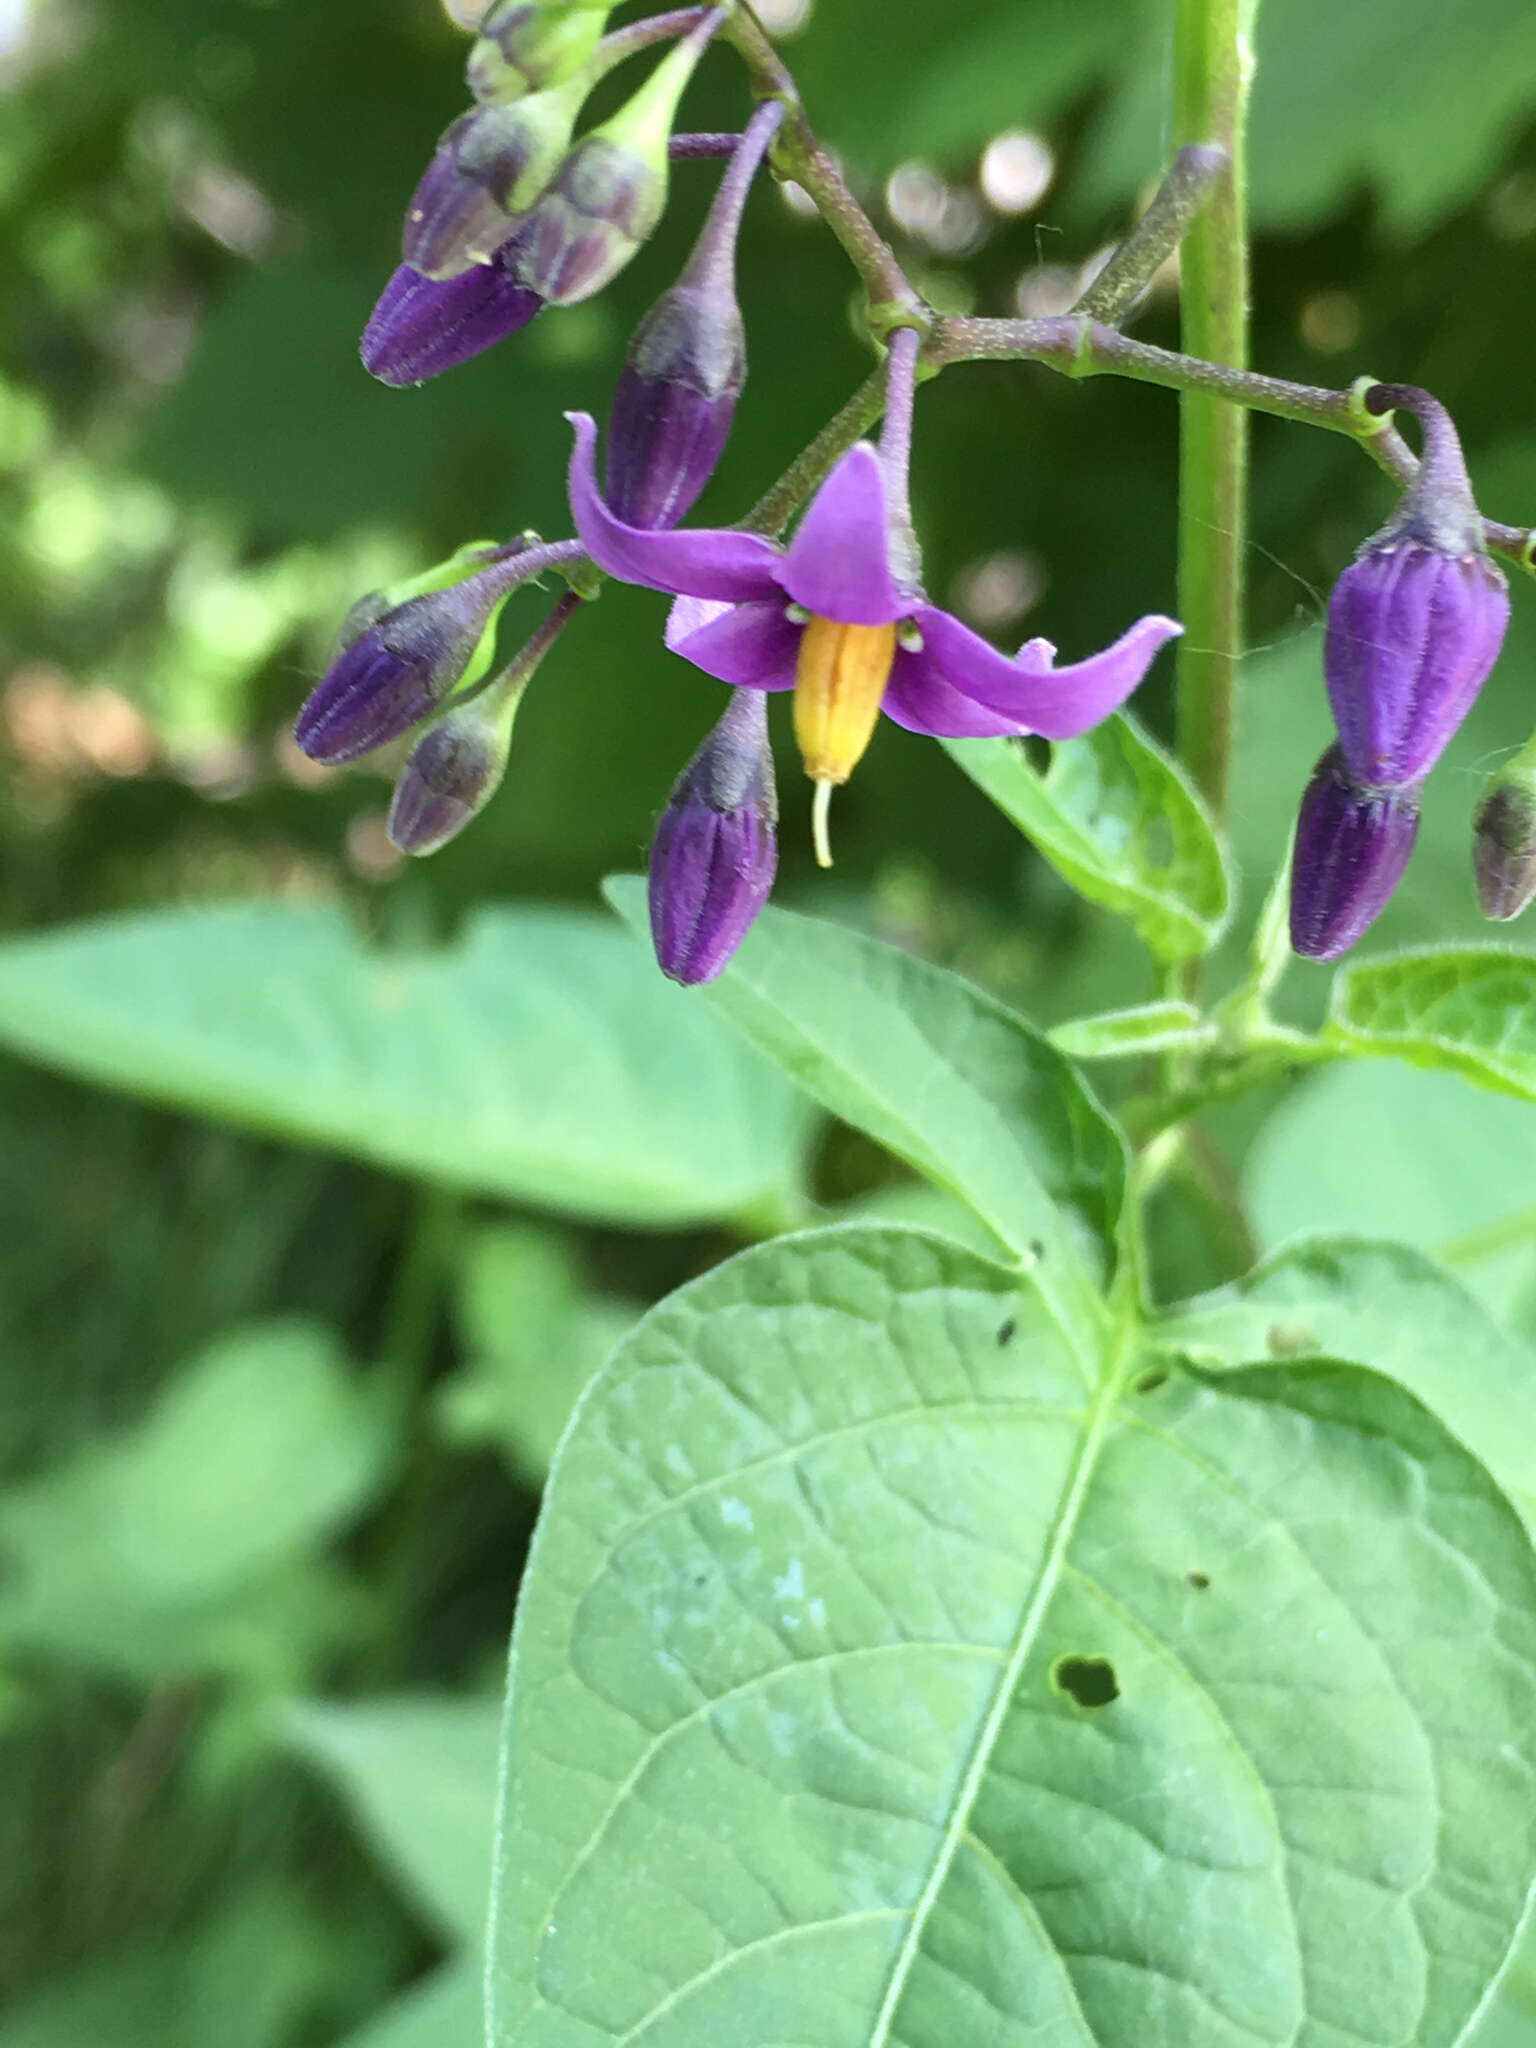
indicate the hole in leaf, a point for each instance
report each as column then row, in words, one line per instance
column 1149, row 1381
column 1007, row 1333
column 1090, row 1681
column 1199, row 1580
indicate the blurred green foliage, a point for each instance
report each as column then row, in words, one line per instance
column 275, row 1420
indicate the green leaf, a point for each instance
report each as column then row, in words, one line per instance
column 168, row 1548
column 534, row 1337
column 447, row 2011
column 420, row 1777
column 540, row 1058
column 1416, row 102
column 1388, row 1306
column 1123, row 1034
column 1371, row 1148
column 949, row 1079
column 1117, row 818
column 1472, row 1009
column 878, row 1679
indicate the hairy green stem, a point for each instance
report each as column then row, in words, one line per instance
column 1212, row 66
column 1078, row 348
column 1156, row 235
column 799, row 154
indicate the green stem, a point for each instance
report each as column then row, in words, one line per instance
column 1156, row 235
column 1506, row 1235
column 1213, row 64
column 800, row 155
column 1079, row 348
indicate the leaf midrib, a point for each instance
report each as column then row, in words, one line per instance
column 1063, row 1529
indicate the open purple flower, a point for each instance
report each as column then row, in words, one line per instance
column 839, row 616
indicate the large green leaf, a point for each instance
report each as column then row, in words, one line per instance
column 173, row 1547
column 948, row 1078
column 1472, row 1009
column 879, row 1679
column 541, row 1057
column 420, row 1777
column 1119, row 819
column 1389, row 1306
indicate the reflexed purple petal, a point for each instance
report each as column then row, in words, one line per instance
column 1057, row 703
column 839, row 562
column 1352, row 845
column 919, row 697
column 751, row 645
column 1412, row 634
column 688, row 614
column 703, row 562
column 422, row 326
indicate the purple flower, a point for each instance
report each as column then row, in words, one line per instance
column 1352, row 845
column 714, row 855
column 1416, row 622
column 839, row 615
column 488, row 168
column 425, row 325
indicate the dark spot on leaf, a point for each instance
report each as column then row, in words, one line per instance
column 1149, row 1381
column 699, row 1576
column 1036, row 1250
column 1199, row 1580
column 1008, row 1332
column 1289, row 1340
column 1090, row 1681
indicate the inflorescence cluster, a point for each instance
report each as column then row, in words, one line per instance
column 516, row 213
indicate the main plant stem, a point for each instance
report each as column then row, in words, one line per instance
column 1213, row 65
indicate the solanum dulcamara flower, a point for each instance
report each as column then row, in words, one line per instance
column 839, row 616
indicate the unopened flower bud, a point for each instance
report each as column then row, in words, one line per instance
column 394, row 666
column 487, row 170
column 456, row 767
column 612, row 188
column 1417, row 620
column 523, row 47
column 1504, row 838
column 422, row 326
column 715, row 851
column 1352, row 845
column 677, row 392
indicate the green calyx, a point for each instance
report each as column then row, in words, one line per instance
column 524, row 48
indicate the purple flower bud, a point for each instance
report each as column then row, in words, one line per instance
column 677, row 392
column 452, row 773
column 456, row 767
column 1416, row 622
column 612, row 188
column 673, row 405
column 523, row 46
column 715, row 851
column 487, row 170
column 424, row 325
column 1504, row 838
column 1352, row 845
column 400, row 665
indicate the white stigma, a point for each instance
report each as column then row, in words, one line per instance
column 821, row 806
column 909, row 636
column 797, row 615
